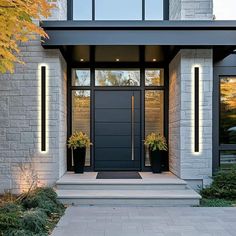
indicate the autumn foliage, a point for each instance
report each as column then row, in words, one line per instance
column 18, row 23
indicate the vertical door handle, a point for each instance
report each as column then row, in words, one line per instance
column 132, row 127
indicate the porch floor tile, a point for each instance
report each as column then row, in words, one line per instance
column 165, row 177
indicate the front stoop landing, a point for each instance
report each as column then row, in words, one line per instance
column 169, row 191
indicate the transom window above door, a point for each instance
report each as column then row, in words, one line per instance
column 119, row 9
column 117, row 77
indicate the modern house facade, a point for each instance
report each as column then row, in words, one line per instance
column 119, row 70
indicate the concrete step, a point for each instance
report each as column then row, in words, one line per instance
column 186, row 197
column 115, row 184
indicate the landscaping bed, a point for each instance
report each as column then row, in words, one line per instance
column 32, row 214
column 222, row 192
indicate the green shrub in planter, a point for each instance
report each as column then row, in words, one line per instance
column 223, row 186
column 78, row 142
column 34, row 220
column 157, row 146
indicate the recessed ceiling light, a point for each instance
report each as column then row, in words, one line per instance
column 81, row 59
column 117, row 59
column 154, row 59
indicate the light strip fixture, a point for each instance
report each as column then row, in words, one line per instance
column 196, row 109
column 43, row 108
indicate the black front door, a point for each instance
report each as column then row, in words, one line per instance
column 117, row 130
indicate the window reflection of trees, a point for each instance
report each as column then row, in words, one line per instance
column 81, row 115
column 228, row 111
column 117, row 78
column 154, row 115
column 154, row 77
column 81, row 77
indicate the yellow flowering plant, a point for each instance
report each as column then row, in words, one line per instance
column 79, row 140
column 156, row 142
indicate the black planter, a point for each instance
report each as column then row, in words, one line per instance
column 79, row 159
column 156, row 160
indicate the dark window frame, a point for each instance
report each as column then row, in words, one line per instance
column 219, row 72
column 165, row 11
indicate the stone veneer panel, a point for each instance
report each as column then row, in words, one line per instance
column 174, row 114
column 20, row 156
column 191, row 10
column 181, row 113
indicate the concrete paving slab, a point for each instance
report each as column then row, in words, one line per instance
column 143, row 221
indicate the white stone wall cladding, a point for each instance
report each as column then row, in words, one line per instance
column 175, row 9
column 19, row 120
column 192, row 165
column 174, row 115
column 63, row 118
column 191, row 10
column 60, row 11
column 20, row 155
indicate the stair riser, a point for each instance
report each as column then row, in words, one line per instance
column 131, row 202
column 120, row 187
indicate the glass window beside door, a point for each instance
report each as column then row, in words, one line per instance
column 228, row 110
column 154, row 115
column 227, row 159
column 81, row 115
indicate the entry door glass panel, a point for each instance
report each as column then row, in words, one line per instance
column 228, row 110
column 81, row 115
column 115, row 77
column 117, row 135
column 154, row 115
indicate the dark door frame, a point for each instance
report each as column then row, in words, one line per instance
column 141, row 65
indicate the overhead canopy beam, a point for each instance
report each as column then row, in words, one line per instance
column 176, row 33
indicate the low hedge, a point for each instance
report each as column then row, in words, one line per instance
column 222, row 187
column 34, row 215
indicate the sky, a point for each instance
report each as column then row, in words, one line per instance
column 225, row 9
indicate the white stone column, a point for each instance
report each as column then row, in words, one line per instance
column 184, row 162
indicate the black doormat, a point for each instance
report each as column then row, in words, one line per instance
column 119, row 175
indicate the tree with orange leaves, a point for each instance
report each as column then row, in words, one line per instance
column 18, row 23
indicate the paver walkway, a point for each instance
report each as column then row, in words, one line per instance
column 146, row 221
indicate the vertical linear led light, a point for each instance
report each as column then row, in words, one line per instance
column 43, row 108
column 196, row 109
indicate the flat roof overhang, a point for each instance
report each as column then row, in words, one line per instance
column 166, row 33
